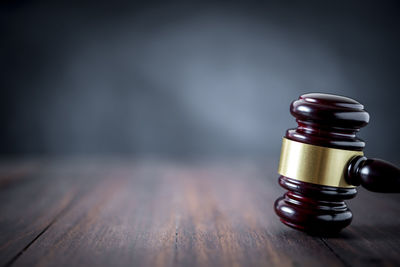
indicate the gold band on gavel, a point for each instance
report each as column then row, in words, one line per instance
column 315, row 164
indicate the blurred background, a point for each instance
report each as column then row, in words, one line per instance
column 189, row 79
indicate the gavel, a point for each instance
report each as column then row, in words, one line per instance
column 322, row 163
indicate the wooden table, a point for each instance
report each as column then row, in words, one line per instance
column 119, row 212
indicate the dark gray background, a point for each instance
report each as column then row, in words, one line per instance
column 198, row 79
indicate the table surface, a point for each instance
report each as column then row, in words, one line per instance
column 120, row 212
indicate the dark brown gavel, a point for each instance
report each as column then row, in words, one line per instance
column 322, row 163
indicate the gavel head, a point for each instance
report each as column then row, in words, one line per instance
column 314, row 159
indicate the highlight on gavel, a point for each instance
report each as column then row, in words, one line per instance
column 322, row 163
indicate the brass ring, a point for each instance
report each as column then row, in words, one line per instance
column 315, row 164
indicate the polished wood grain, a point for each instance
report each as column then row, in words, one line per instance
column 119, row 212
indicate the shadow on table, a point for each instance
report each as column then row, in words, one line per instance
column 370, row 232
column 353, row 232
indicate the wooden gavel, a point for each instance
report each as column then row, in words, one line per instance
column 322, row 163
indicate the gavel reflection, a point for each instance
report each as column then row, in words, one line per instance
column 322, row 163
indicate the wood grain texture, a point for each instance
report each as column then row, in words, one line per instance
column 33, row 195
column 163, row 213
column 374, row 236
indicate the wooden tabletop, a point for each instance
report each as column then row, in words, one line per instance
column 119, row 212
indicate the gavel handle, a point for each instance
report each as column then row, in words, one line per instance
column 374, row 174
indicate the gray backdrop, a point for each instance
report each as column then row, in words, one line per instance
column 198, row 79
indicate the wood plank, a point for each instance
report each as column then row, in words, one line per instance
column 33, row 194
column 373, row 238
column 155, row 214
column 15, row 171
